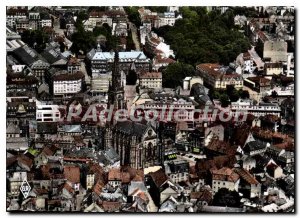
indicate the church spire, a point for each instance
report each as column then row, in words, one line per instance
column 116, row 90
column 99, row 47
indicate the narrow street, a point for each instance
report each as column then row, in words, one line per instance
column 56, row 26
column 135, row 37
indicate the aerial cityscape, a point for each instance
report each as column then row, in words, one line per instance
column 150, row 109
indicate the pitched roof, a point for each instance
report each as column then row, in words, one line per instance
column 159, row 177
column 246, row 176
column 254, row 146
column 23, row 159
column 12, row 129
column 73, row 61
column 67, row 187
column 202, row 195
column 225, row 174
column 114, row 174
column 72, row 173
column 221, row 146
column 131, row 128
column 109, row 206
column 150, row 75
column 50, row 150
column 123, row 56
column 68, row 76
column 46, row 127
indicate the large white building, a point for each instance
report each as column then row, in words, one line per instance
column 169, row 108
column 47, row 113
column 168, row 18
column 65, row 84
column 247, row 106
column 283, row 91
column 102, row 62
column 47, row 22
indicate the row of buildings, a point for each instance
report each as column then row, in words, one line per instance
column 182, row 161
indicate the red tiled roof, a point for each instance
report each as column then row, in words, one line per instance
column 25, row 160
column 150, row 75
column 159, row 60
column 159, row 177
column 202, row 195
column 73, row 61
column 154, row 40
column 72, row 173
column 114, row 174
column 246, row 176
column 109, row 206
column 221, row 146
column 49, row 150
column 225, row 174
column 98, row 188
column 210, row 68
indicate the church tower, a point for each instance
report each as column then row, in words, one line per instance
column 116, row 89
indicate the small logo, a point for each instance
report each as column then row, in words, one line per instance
column 25, row 188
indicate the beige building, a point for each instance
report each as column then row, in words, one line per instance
column 100, row 82
column 273, row 69
column 218, row 76
column 225, row 178
column 275, row 50
column 151, row 80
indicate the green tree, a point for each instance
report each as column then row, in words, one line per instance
column 202, row 37
column 133, row 15
column 244, row 94
column 82, row 40
column 36, row 39
column 224, row 100
column 129, row 42
column 274, row 94
column 226, row 198
column 175, row 73
column 159, row 9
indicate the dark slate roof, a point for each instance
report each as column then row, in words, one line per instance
column 131, row 128
column 22, row 55
column 261, row 161
column 10, row 60
column 179, row 166
column 47, row 128
column 112, row 155
column 51, row 55
column 253, row 146
column 198, row 89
